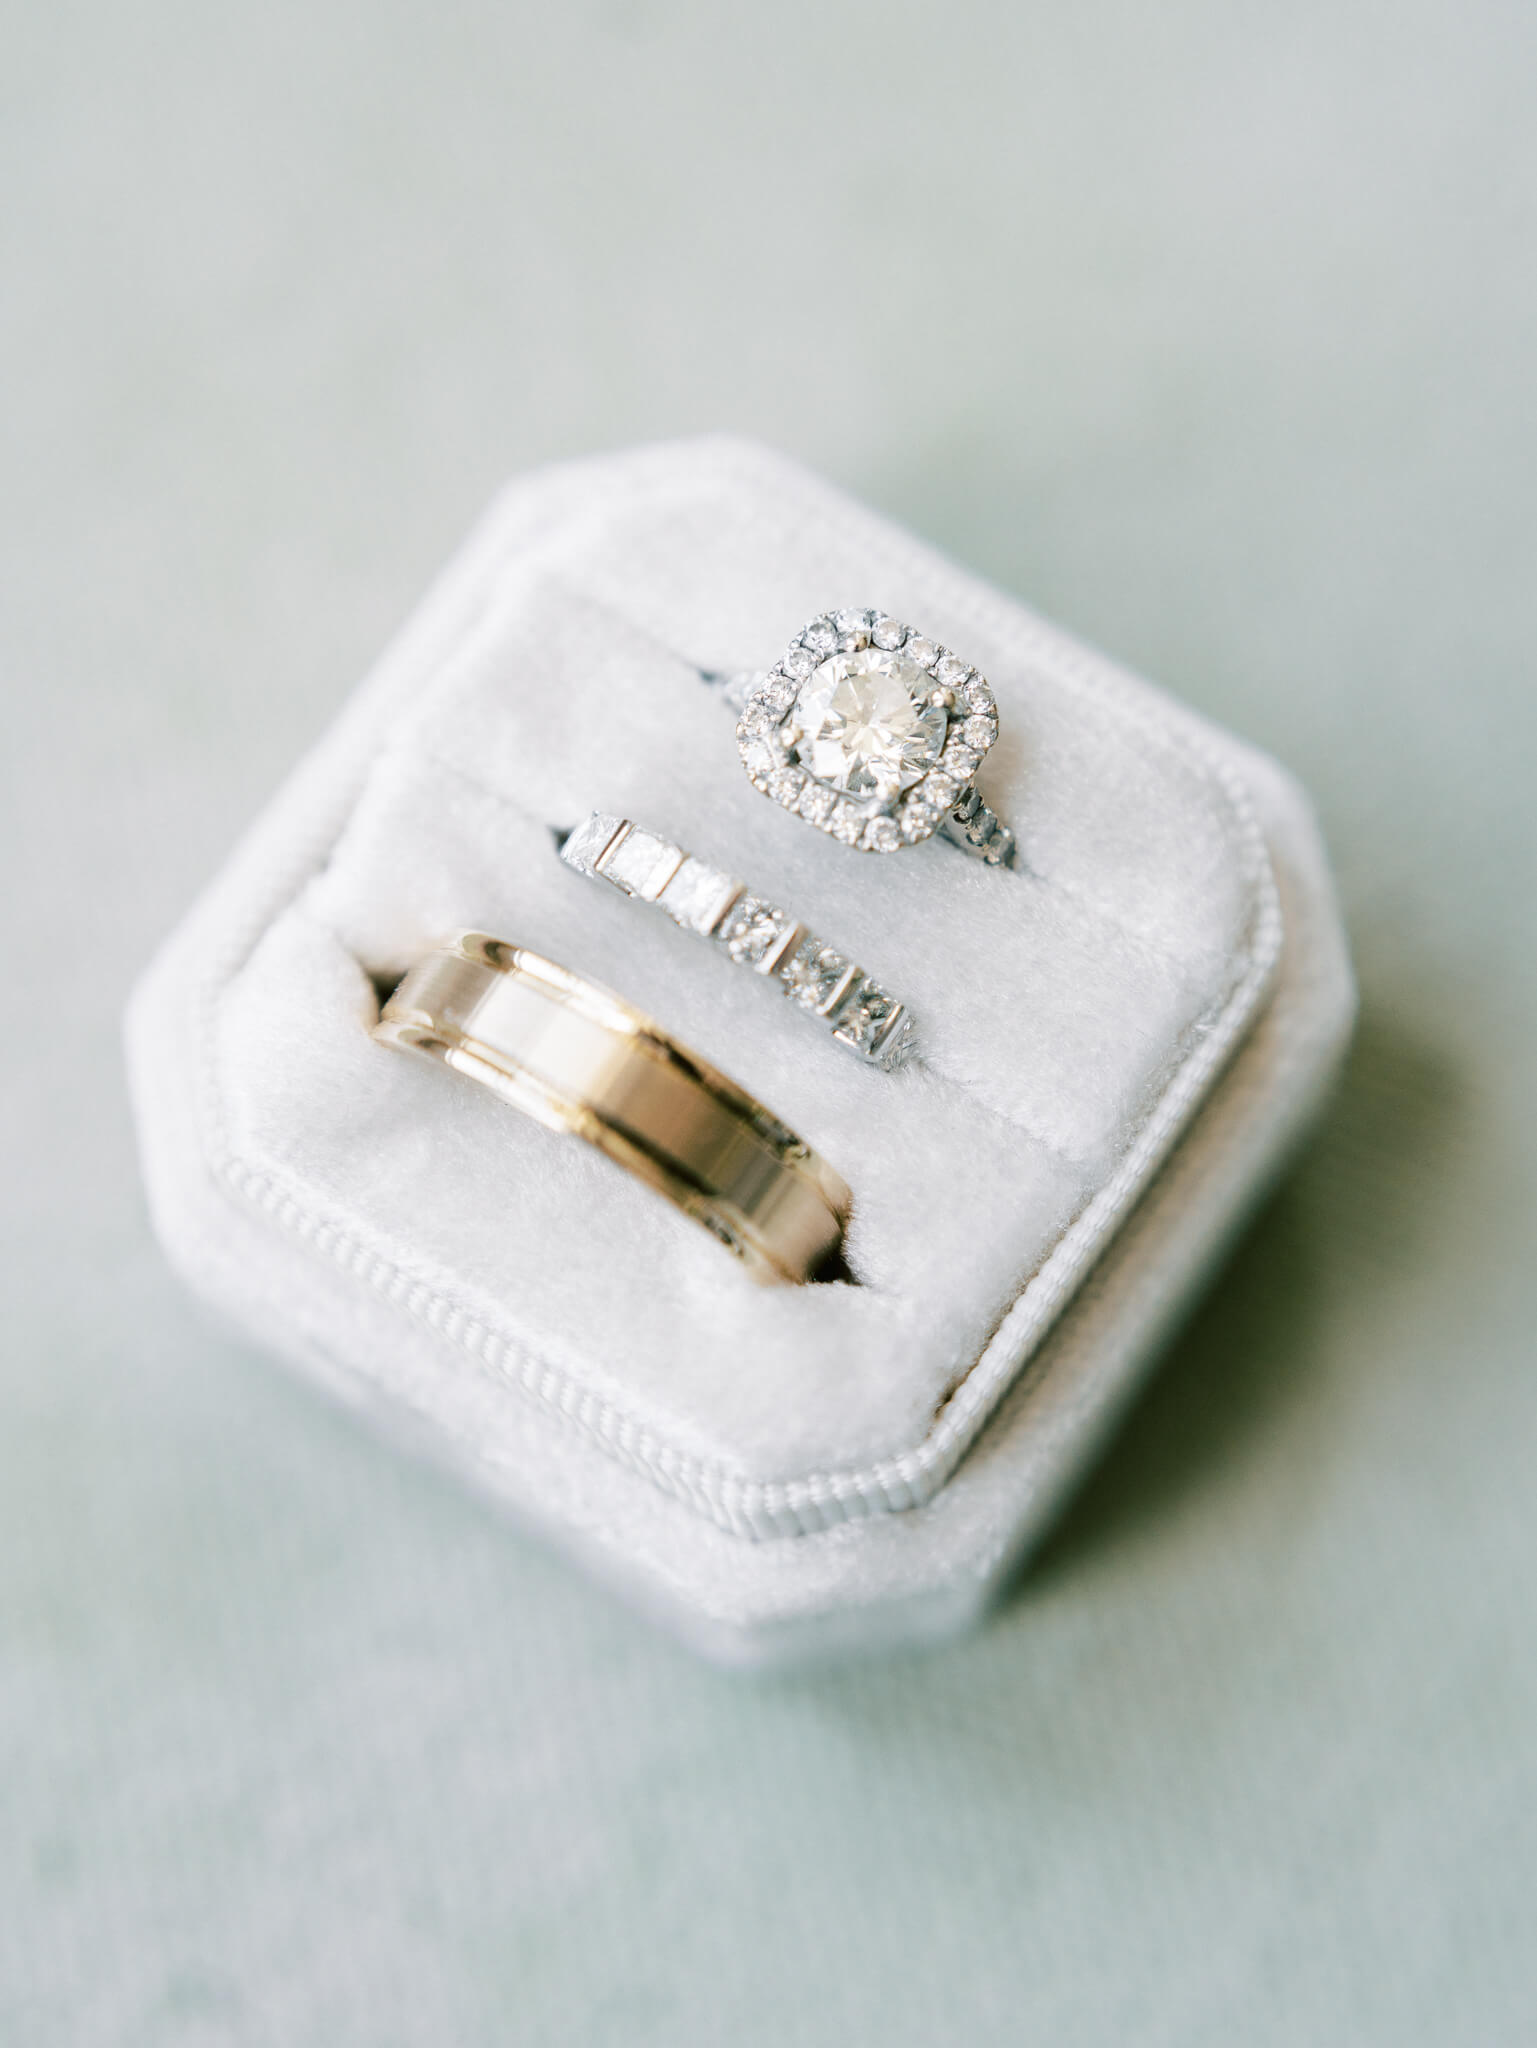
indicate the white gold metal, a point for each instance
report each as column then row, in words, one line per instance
column 860, row 1014
column 580, row 1060
column 873, row 733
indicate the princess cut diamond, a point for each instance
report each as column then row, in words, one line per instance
column 698, row 894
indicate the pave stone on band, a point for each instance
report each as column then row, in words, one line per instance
column 873, row 733
column 579, row 1060
column 861, row 1015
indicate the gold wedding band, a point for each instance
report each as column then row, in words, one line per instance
column 580, row 1060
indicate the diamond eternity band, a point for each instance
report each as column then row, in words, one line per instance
column 861, row 1015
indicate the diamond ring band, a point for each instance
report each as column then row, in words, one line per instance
column 860, row 1014
column 873, row 733
column 580, row 1061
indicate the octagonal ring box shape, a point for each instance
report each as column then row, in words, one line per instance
column 1120, row 1040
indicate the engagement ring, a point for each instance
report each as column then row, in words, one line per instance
column 873, row 733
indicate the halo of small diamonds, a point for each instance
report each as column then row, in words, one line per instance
column 867, row 729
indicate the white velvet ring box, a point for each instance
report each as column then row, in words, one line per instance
column 1120, row 1039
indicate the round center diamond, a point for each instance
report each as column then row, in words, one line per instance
column 865, row 724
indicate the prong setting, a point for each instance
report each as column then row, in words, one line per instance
column 868, row 729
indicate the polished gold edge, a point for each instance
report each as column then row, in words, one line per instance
column 602, row 1006
column 725, row 1220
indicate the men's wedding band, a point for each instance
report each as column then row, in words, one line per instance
column 580, row 1060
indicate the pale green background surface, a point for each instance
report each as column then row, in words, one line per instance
column 1210, row 329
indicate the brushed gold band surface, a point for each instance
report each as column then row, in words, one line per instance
column 582, row 1061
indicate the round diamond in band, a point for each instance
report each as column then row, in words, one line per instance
column 861, row 1015
column 873, row 733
